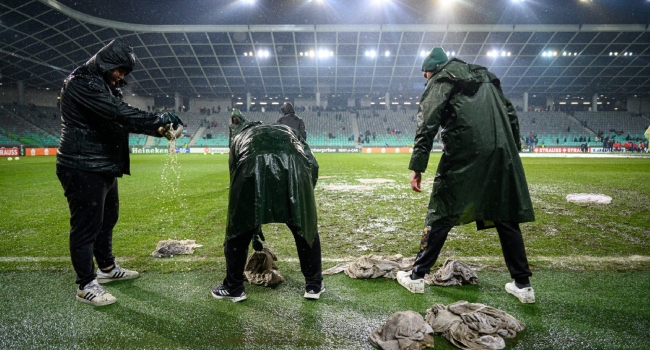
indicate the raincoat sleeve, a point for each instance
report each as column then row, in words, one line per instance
column 514, row 121
column 429, row 116
column 301, row 129
column 313, row 164
column 110, row 109
column 512, row 113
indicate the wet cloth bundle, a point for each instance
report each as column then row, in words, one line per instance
column 473, row 326
column 261, row 268
column 452, row 273
column 404, row 330
column 373, row 266
column 171, row 247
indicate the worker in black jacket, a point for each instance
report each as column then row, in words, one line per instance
column 93, row 153
column 290, row 119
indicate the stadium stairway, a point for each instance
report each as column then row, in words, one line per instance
column 585, row 128
column 197, row 135
column 355, row 130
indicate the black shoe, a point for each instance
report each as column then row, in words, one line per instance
column 220, row 292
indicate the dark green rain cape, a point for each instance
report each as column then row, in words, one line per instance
column 272, row 178
column 480, row 177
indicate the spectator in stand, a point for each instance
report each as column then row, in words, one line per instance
column 290, row 119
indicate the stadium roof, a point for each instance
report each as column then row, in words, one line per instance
column 287, row 48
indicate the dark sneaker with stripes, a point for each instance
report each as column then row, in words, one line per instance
column 220, row 292
column 116, row 274
column 95, row 295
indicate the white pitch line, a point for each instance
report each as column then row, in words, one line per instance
column 552, row 259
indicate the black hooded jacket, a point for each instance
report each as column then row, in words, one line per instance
column 95, row 121
column 291, row 120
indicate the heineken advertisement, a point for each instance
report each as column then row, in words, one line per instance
column 221, row 150
column 156, row 150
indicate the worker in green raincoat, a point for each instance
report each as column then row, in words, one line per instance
column 272, row 178
column 480, row 177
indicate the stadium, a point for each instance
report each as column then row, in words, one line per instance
column 577, row 73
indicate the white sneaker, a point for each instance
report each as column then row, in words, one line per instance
column 116, row 274
column 313, row 293
column 525, row 295
column 414, row 286
column 95, row 295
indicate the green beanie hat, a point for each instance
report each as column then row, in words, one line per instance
column 434, row 59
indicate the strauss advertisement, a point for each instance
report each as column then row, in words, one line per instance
column 9, row 152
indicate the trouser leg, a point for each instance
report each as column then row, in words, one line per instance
column 431, row 242
column 310, row 258
column 514, row 252
column 86, row 194
column 103, row 247
column 236, row 253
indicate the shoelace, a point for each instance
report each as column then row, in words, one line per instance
column 95, row 288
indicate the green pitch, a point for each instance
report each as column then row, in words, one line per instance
column 591, row 263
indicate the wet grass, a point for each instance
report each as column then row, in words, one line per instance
column 591, row 263
column 385, row 220
column 574, row 310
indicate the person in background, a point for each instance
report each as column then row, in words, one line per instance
column 272, row 178
column 480, row 177
column 93, row 153
column 290, row 119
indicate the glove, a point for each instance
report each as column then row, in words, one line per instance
column 257, row 245
column 171, row 118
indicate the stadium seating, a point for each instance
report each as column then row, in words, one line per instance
column 40, row 126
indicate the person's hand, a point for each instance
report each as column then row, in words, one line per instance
column 171, row 118
column 416, row 181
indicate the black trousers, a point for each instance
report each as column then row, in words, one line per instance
column 236, row 252
column 512, row 245
column 94, row 209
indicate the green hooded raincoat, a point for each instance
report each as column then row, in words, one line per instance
column 480, row 177
column 272, row 178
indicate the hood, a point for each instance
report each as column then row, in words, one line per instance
column 287, row 108
column 238, row 123
column 117, row 54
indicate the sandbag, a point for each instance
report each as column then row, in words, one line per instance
column 262, row 270
column 473, row 326
column 404, row 330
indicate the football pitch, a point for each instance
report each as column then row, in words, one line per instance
column 590, row 262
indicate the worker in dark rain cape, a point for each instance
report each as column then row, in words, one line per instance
column 480, row 177
column 272, row 178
